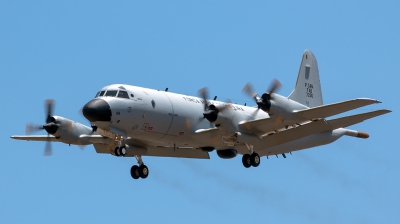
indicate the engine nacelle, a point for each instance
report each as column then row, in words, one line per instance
column 68, row 131
column 227, row 153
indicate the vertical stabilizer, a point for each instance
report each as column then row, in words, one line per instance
column 308, row 87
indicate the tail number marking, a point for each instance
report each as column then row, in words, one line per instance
column 309, row 91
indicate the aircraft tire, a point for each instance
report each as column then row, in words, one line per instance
column 143, row 171
column 135, row 172
column 116, row 151
column 246, row 160
column 122, row 151
column 255, row 159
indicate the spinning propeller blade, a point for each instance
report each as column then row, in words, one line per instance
column 50, row 126
column 264, row 102
column 210, row 110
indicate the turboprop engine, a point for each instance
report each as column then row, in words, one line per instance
column 63, row 129
column 274, row 104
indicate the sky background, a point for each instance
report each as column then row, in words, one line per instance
column 68, row 50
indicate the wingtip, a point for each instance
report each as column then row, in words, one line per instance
column 387, row 111
column 369, row 99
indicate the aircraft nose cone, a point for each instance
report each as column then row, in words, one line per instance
column 97, row 110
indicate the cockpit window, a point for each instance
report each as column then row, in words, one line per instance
column 111, row 93
column 102, row 93
column 97, row 94
column 123, row 94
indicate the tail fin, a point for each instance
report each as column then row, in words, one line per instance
column 308, row 87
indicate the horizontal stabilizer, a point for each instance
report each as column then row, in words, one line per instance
column 354, row 119
column 333, row 109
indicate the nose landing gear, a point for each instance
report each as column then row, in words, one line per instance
column 120, row 151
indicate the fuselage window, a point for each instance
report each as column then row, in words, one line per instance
column 102, row 93
column 123, row 94
column 111, row 93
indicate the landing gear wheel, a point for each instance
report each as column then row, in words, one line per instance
column 255, row 159
column 122, row 151
column 135, row 172
column 246, row 160
column 116, row 151
column 143, row 171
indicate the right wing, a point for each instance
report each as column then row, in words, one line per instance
column 42, row 138
column 82, row 140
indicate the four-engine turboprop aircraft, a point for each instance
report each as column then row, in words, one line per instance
column 132, row 121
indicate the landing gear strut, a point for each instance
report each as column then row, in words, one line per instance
column 139, row 171
column 251, row 160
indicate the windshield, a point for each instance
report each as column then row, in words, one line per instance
column 123, row 94
column 111, row 93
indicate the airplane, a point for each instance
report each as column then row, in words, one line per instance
column 132, row 121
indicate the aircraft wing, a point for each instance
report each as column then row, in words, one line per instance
column 82, row 140
column 354, row 119
column 176, row 152
column 35, row 138
column 294, row 133
column 333, row 109
column 258, row 127
column 262, row 126
column 314, row 128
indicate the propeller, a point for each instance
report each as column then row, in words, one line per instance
column 93, row 126
column 210, row 110
column 263, row 102
column 50, row 126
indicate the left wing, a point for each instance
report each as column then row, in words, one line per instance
column 262, row 126
column 312, row 128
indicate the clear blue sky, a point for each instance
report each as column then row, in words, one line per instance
column 67, row 51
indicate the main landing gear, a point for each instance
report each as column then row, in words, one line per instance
column 251, row 160
column 139, row 171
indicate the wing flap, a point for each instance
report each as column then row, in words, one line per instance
column 294, row 134
column 354, row 119
column 333, row 109
column 258, row 127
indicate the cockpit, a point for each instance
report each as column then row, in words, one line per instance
column 120, row 93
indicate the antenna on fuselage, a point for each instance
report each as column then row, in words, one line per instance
column 215, row 98
column 166, row 89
